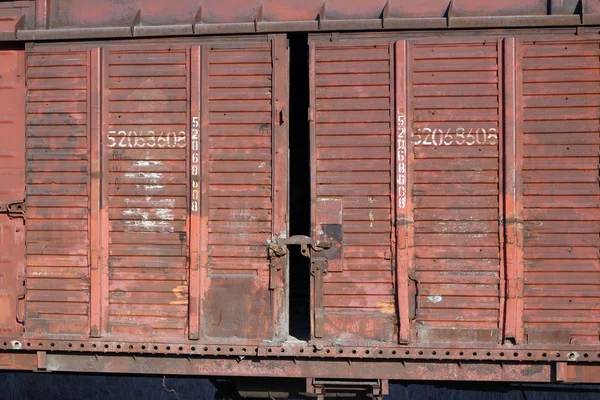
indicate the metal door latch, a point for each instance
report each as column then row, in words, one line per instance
column 307, row 244
column 14, row 209
column 315, row 249
column 318, row 269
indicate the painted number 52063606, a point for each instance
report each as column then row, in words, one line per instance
column 459, row 136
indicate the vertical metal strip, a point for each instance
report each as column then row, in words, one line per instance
column 104, row 204
column 204, row 176
column 316, row 331
column 194, row 221
column 513, row 326
column 42, row 17
column 501, row 233
column 279, row 135
column 95, row 168
column 402, row 203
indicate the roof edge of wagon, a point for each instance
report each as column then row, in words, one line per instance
column 90, row 19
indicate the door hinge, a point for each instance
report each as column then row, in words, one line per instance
column 14, row 209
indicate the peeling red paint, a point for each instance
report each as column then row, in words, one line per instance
column 454, row 195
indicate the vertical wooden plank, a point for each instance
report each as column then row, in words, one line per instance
column 313, row 165
column 94, row 134
column 403, row 201
column 194, row 76
column 13, row 175
column 204, row 173
column 501, row 233
column 280, row 168
column 393, row 180
column 104, row 203
column 513, row 326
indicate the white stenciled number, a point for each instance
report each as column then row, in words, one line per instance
column 458, row 136
column 447, row 138
column 401, row 160
column 427, row 140
column 195, row 164
column 111, row 139
column 470, row 138
column 492, row 136
column 141, row 139
column 181, row 139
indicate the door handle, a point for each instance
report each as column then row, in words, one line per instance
column 20, row 314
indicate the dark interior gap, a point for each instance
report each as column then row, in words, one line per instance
column 299, row 185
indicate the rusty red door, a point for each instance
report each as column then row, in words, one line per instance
column 158, row 178
column 352, row 190
column 243, row 188
column 553, row 196
column 449, row 188
column 12, row 176
column 407, row 177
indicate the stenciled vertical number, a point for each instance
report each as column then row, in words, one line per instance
column 401, row 159
column 195, row 165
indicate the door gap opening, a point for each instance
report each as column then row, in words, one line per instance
column 300, row 207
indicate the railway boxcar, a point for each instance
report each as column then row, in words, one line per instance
column 169, row 206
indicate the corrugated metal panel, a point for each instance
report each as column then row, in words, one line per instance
column 58, row 282
column 352, row 161
column 455, row 93
column 145, row 152
column 12, row 176
column 561, row 195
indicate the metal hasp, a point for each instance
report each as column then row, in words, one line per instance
column 14, row 209
column 315, row 250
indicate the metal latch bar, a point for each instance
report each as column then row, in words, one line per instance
column 14, row 209
column 318, row 269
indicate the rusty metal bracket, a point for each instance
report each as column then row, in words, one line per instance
column 14, row 209
column 318, row 269
column 306, row 243
column 322, row 388
column 315, row 250
column 276, row 252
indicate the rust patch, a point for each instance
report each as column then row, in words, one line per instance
column 387, row 307
column 181, row 294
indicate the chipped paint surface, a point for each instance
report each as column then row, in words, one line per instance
column 181, row 295
column 452, row 202
column 434, row 299
column 148, row 163
column 387, row 307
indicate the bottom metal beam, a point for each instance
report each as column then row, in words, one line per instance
column 291, row 368
column 303, row 368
